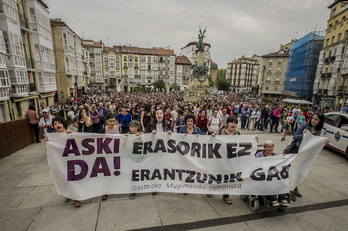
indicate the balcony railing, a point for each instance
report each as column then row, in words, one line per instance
column 23, row 21
column 32, row 87
column 30, row 63
column 326, row 75
column 342, row 88
column 329, row 59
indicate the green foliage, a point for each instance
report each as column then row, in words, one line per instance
column 159, row 84
column 175, row 86
column 221, row 74
column 223, row 85
column 267, row 100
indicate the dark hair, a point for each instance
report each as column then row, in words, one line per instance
column 180, row 112
column 31, row 107
column 190, row 116
column 147, row 108
column 166, row 107
column 79, row 114
column 59, row 119
column 110, row 116
column 321, row 117
column 231, row 119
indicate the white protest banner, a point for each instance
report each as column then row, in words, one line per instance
column 86, row 165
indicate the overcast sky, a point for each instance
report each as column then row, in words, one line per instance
column 234, row 27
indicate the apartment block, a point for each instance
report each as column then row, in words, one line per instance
column 72, row 62
column 331, row 83
column 243, row 74
column 95, row 61
column 183, row 71
column 273, row 71
column 28, row 54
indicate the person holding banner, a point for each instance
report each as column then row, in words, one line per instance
column 112, row 126
column 230, row 129
column 232, row 123
column 159, row 124
column 314, row 126
column 59, row 125
column 190, row 128
column 134, row 128
column 280, row 199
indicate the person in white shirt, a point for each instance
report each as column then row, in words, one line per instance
column 46, row 121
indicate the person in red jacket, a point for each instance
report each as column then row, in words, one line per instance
column 202, row 121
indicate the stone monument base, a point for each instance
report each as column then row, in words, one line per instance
column 197, row 91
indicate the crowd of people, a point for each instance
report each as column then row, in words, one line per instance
column 137, row 113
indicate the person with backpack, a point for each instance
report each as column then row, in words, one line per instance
column 214, row 123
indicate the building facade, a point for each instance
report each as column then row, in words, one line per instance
column 42, row 44
column 72, row 62
column 112, row 68
column 302, row 65
column 243, row 74
column 331, row 83
column 273, row 72
column 182, row 71
column 95, row 61
column 25, row 26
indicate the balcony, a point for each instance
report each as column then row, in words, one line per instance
column 30, row 63
column 342, row 89
column 23, row 21
column 326, row 75
column 278, row 73
column 329, row 59
column 32, row 87
column 4, row 93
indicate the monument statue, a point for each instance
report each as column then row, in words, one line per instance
column 198, row 87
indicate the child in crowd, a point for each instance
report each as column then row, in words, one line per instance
column 112, row 126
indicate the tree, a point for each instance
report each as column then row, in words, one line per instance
column 159, row 84
column 221, row 74
column 223, row 85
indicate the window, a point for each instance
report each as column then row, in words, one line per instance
column 342, row 121
column 331, row 119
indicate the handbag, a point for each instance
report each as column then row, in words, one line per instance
column 49, row 129
column 290, row 146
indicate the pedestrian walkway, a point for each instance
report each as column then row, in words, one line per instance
column 29, row 201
